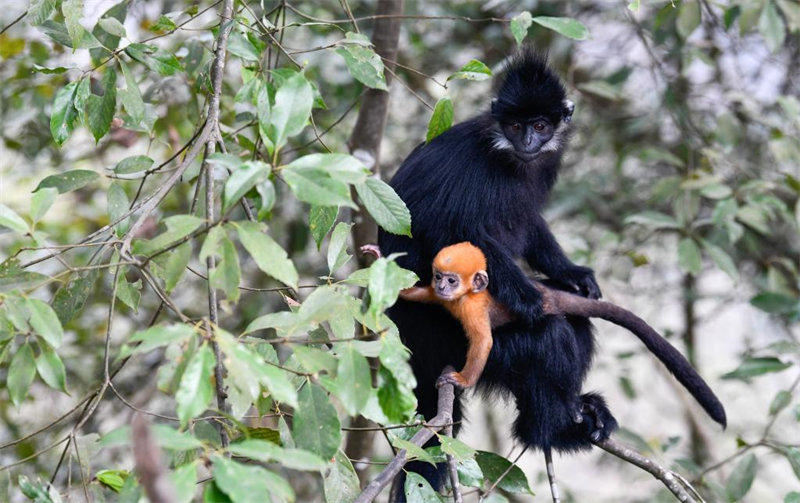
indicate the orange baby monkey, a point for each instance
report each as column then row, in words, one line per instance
column 459, row 284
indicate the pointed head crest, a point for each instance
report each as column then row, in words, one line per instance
column 529, row 89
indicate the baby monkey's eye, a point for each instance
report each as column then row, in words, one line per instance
column 437, row 277
column 452, row 281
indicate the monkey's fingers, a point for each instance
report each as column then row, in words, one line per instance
column 371, row 250
column 454, row 378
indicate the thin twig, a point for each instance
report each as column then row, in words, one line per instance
column 672, row 482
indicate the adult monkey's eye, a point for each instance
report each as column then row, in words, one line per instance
column 539, row 126
column 516, row 127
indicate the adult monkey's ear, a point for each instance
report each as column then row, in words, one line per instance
column 569, row 108
column 480, row 280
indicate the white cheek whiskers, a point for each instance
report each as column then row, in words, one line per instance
column 500, row 142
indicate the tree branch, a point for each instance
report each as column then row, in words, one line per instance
column 443, row 418
column 149, row 465
column 677, row 485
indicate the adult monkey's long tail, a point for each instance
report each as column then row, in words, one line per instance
column 558, row 302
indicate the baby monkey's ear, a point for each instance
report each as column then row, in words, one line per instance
column 480, row 280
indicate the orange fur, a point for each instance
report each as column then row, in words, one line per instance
column 471, row 308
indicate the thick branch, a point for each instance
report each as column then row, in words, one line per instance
column 443, row 419
column 149, row 465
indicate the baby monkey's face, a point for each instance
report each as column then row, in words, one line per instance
column 447, row 285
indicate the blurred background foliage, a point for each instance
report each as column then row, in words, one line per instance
column 680, row 188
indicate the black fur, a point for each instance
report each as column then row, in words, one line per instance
column 466, row 185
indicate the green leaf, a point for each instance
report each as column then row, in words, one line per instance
column 21, row 372
column 178, row 227
column 689, row 258
column 131, row 97
column 129, row 293
column 133, row 164
column 227, row 275
column 792, row 497
column 320, row 221
column 70, row 298
column 184, row 479
column 155, row 59
column 244, row 178
column 441, row 120
column 73, row 12
column 100, row 109
column 456, row 448
column 354, row 379
column 385, row 206
column 295, row 459
column 165, row 24
column 113, row 479
column 519, row 26
column 396, row 398
column 793, row 456
column 239, row 45
column 171, row 439
column 688, row 18
column 293, row 102
column 474, row 70
column 494, row 466
column 64, row 113
column 775, row 302
column 176, row 265
column 469, row 473
column 316, row 425
column 51, row 368
column 108, row 41
column 45, row 322
column 653, row 220
column 113, row 26
column 771, row 26
column 39, row 11
column 341, row 482
column 756, row 366
column 782, row 400
column 741, row 478
column 268, row 255
column 413, row 451
column 418, row 490
column 118, row 205
column 316, row 187
column 342, row 167
column 8, row 218
column 721, row 259
column 362, row 62
column 386, row 279
column 249, row 483
column 337, row 248
column 571, row 28
column 41, row 201
column 196, row 390
column 158, row 336
column 36, row 492
column 68, row 181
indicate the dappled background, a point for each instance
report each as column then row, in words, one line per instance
column 680, row 188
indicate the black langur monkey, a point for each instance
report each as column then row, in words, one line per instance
column 485, row 181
